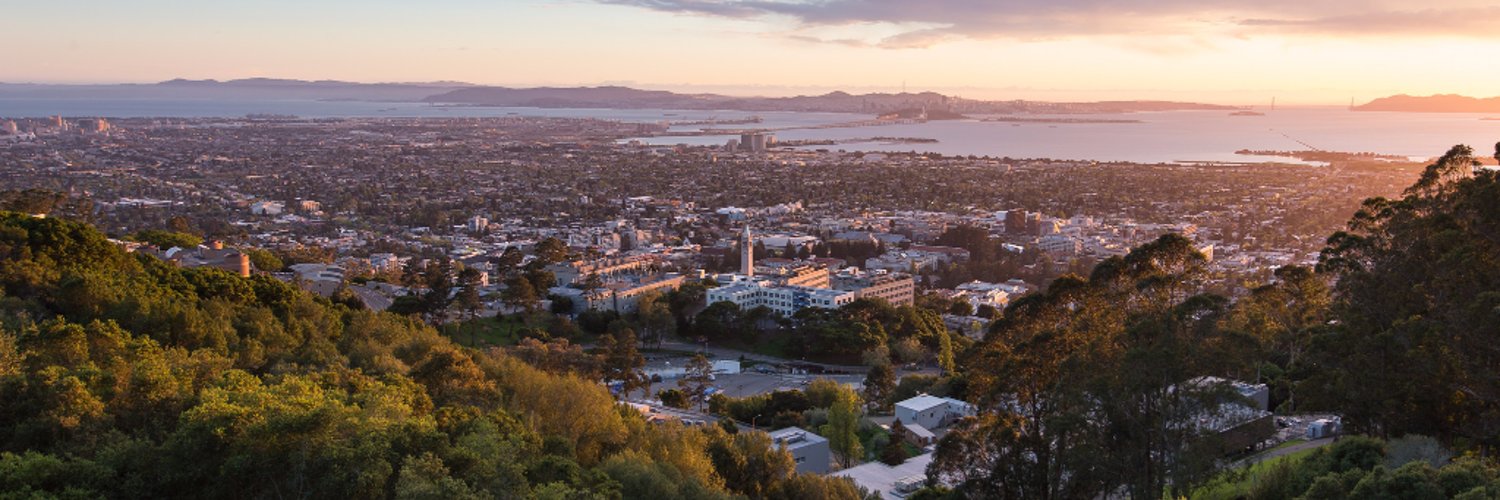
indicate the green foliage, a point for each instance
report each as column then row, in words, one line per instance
column 673, row 397
column 802, row 486
column 842, row 429
column 1089, row 380
column 749, row 462
column 1354, row 467
column 1412, row 351
column 894, row 451
column 126, row 377
column 264, row 260
column 623, row 363
column 550, row 251
column 167, row 239
column 697, row 379
column 880, row 383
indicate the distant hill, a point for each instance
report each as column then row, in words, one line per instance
column 249, row 88
column 574, row 97
column 1442, row 103
column 938, row 106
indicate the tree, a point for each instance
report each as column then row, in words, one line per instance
column 509, row 260
column 698, row 378
column 411, row 273
column 550, row 251
column 815, row 486
column 439, row 278
column 655, row 316
column 987, row 311
column 591, row 282
column 961, row 308
column 1283, row 317
column 842, row 429
column 519, row 293
column 894, row 452
column 468, row 299
column 1118, row 347
column 674, row 398
column 263, row 260
column 684, row 301
column 946, row 360
column 909, row 350
column 623, row 363
column 1414, row 346
column 749, row 462
column 541, row 279
column 880, row 382
column 167, row 239
column 719, row 321
column 560, row 305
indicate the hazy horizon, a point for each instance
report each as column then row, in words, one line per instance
column 1223, row 97
column 1224, row 51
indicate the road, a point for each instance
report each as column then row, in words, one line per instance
column 1284, row 451
column 373, row 300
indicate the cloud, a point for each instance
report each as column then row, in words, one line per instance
column 922, row 23
column 1482, row 22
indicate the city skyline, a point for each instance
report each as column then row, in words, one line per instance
column 1320, row 52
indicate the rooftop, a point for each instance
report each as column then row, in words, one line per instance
column 881, row 478
column 796, row 437
column 923, row 402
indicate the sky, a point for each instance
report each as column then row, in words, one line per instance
column 1223, row 51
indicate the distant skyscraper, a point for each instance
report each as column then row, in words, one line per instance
column 747, row 257
column 756, row 142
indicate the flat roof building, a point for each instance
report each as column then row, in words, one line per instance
column 890, row 482
column 810, row 451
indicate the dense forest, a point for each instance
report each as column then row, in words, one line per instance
column 122, row 376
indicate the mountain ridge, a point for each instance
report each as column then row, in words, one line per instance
column 1436, row 103
column 604, row 96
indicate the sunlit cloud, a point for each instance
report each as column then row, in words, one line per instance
column 931, row 22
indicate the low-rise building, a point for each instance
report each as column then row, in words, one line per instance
column 809, row 451
column 212, row 255
column 794, row 273
column 897, row 289
column 890, row 482
column 783, row 300
column 623, row 295
column 932, row 412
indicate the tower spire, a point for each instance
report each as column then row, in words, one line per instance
column 747, row 254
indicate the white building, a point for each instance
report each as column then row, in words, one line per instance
column 932, row 412
column 890, row 482
column 267, row 208
column 784, row 300
column 997, row 295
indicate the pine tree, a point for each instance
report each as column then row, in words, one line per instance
column 624, row 363
column 697, row 380
column 894, row 452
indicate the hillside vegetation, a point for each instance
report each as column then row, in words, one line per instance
column 125, row 377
